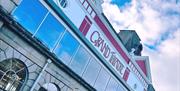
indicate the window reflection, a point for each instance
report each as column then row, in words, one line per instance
column 91, row 72
column 102, row 80
column 80, row 60
column 66, row 48
column 112, row 85
column 29, row 14
column 50, row 31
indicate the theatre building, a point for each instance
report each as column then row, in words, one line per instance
column 67, row 45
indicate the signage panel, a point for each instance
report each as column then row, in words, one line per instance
column 104, row 47
column 96, row 34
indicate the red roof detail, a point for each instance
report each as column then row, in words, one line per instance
column 142, row 65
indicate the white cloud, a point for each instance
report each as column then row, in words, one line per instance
column 143, row 17
column 152, row 20
column 165, row 64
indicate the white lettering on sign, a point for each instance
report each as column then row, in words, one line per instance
column 97, row 40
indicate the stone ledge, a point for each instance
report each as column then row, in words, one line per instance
column 8, row 5
column 17, row 2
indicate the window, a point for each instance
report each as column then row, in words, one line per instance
column 50, row 31
column 80, row 60
column 85, row 4
column 49, row 87
column 89, row 9
column 62, row 3
column 13, row 74
column 29, row 14
column 81, row 1
column 66, row 48
column 92, row 71
column 93, row 14
column 121, row 88
column 102, row 80
column 94, row 1
column 112, row 85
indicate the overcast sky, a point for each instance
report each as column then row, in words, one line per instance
column 157, row 22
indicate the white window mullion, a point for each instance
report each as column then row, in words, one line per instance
column 41, row 24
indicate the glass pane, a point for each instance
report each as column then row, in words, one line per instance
column 102, row 80
column 63, row 2
column 66, row 48
column 49, row 31
column 121, row 88
column 29, row 14
column 91, row 72
column 112, row 85
column 80, row 60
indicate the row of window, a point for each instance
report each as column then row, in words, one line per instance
column 137, row 73
column 44, row 26
column 93, row 72
column 88, row 7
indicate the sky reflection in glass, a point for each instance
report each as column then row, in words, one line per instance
column 29, row 14
column 66, row 48
column 50, row 31
column 80, row 60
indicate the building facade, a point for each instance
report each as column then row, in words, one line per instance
column 65, row 45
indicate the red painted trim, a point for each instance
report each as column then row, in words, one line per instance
column 110, row 37
column 83, row 24
column 86, row 29
column 126, row 74
column 142, row 65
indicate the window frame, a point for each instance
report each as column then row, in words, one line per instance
column 61, row 32
column 86, row 70
column 31, row 31
column 87, row 61
column 24, row 69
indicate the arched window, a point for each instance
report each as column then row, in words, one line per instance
column 63, row 3
column 13, row 74
column 49, row 87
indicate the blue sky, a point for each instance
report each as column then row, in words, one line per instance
column 120, row 3
column 157, row 22
column 162, row 37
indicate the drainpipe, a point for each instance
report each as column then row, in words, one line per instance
column 38, row 78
